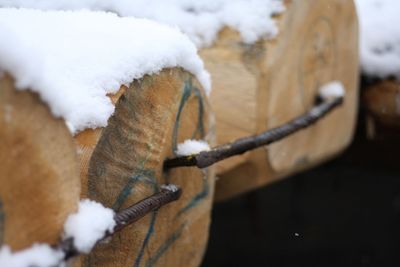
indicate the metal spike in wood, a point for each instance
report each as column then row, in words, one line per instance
column 122, row 164
column 242, row 145
column 125, row 217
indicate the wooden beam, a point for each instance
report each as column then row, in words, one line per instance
column 258, row 87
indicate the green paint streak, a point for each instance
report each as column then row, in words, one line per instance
column 197, row 199
column 143, row 175
column 200, row 123
column 187, row 91
column 146, row 176
column 165, row 246
column 146, row 240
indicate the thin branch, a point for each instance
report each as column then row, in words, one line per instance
column 123, row 218
column 240, row 146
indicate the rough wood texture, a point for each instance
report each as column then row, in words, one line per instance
column 39, row 181
column 382, row 102
column 122, row 164
column 264, row 85
column 234, row 74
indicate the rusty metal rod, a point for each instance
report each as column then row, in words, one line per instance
column 240, row 146
column 135, row 212
column 125, row 217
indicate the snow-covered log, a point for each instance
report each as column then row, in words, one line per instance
column 260, row 86
column 380, row 62
column 129, row 91
column 39, row 177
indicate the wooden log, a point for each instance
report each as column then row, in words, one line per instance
column 123, row 163
column 382, row 102
column 39, row 181
column 257, row 87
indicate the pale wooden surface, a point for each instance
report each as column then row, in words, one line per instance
column 234, row 79
column 122, row 164
column 382, row 102
column 277, row 80
column 39, row 182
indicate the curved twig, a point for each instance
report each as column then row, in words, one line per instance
column 240, row 146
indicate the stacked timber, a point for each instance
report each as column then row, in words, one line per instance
column 261, row 84
column 49, row 163
column 256, row 87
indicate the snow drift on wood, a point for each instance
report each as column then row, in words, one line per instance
column 200, row 19
column 89, row 224
column 39, row 255
column 74, row 59
column 380, row 37
column 331, row 90
column 170, row 187
column 190, row 147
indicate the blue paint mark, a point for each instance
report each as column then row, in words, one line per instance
column 126, row 191
column 2, row 218
column 200, row 123
column 146, row 239
column 187, row 91
column 165, row 246
column 196, row 199
column 146, row 176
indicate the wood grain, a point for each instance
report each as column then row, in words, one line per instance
column 260, row 86
column 39, row 182
column 122, row 164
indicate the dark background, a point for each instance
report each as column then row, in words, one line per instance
column 344, row 213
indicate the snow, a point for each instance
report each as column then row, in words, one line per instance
column 74, row 59
column 200, row 20
column 380, row 37
column 190, row 147
column 39, row 255
column 331, row 90
column 86, row 227
column 89, row 224
column 170, row 187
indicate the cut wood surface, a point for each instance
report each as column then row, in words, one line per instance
column 122, row 164
column 39, row 181
column 258, row 87
column 382, row 102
